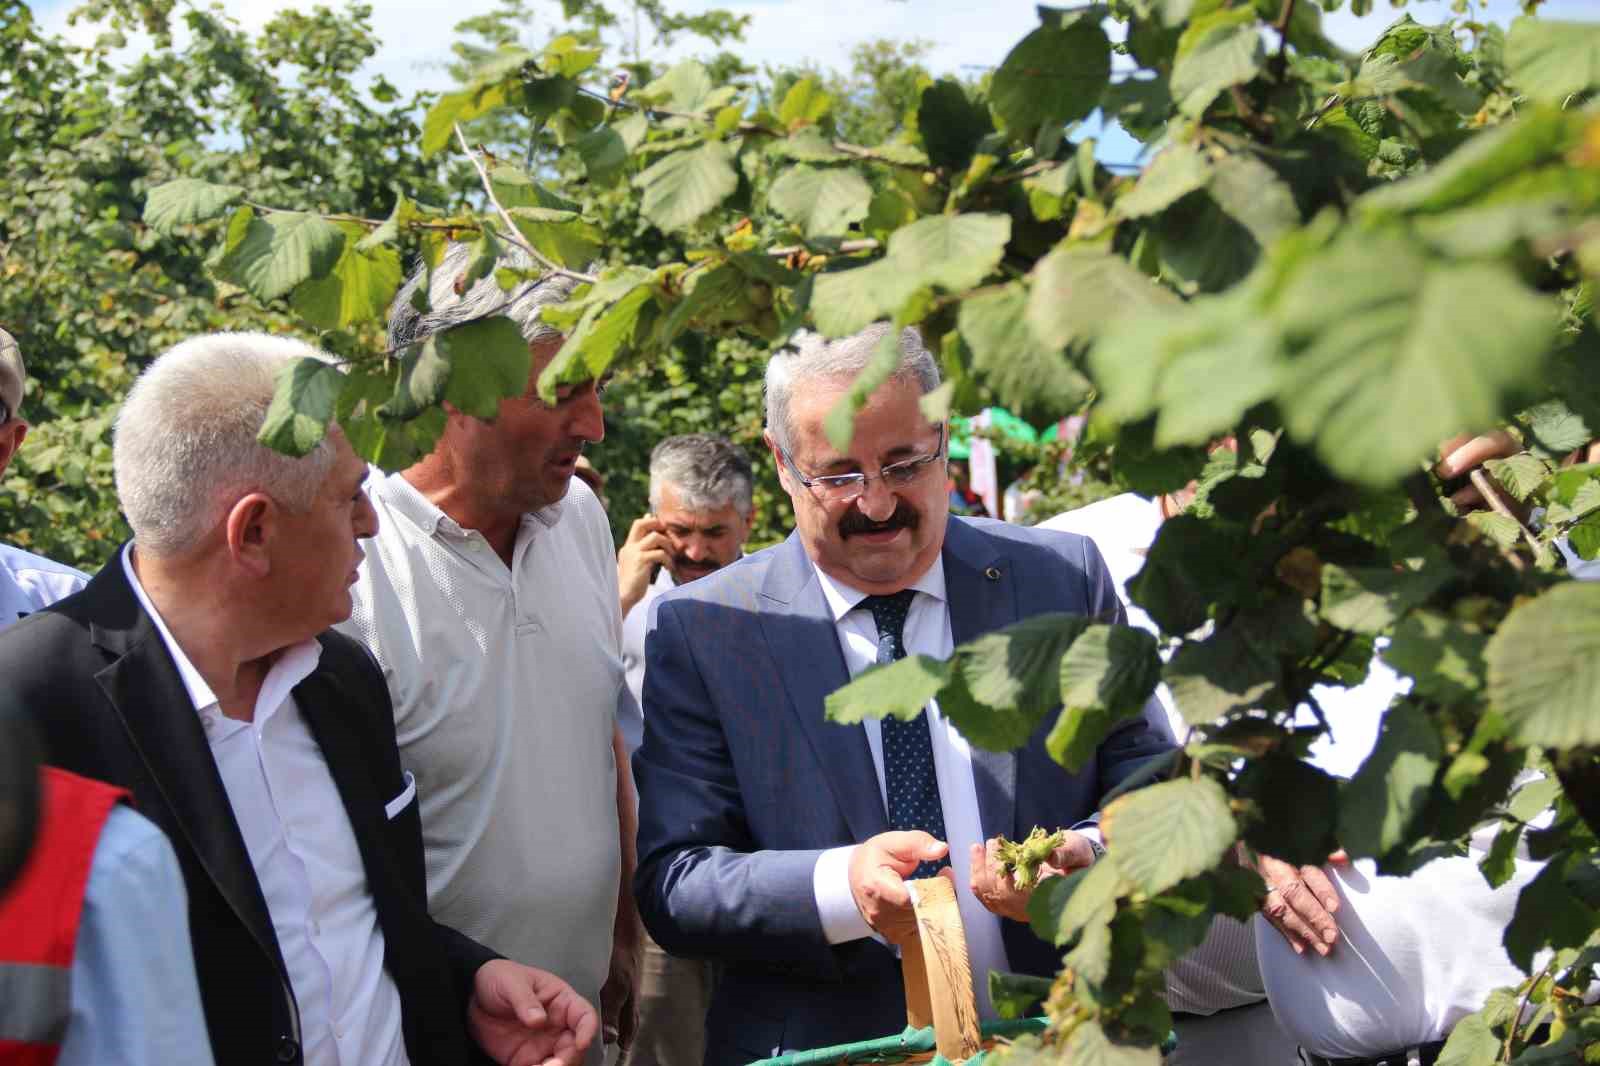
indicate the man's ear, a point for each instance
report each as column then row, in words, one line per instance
column 777, row 461
column 252, row 523
column 11, row 436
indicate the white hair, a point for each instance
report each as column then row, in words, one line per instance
column 185, row 447
column 448, row 308
column 810, row 357
column 706, row 471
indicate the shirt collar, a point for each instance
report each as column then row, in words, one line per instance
column 843, row 598
column 403, row 498
column 294, row 665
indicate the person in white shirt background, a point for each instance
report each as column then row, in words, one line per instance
column 489, row 598
column 1409, row 957
column 28, row 582
column 701, row 499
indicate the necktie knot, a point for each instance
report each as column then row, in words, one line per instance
column 889, row 615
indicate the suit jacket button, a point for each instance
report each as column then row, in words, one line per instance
column 288, row 1050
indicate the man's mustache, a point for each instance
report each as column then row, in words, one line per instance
column 904, row 517
column 680, row 562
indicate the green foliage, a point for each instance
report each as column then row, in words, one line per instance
column 1106, row 675
column 1544, row 670
column 1378, row 806
column 298, row 418
column 1552, row 60
column 683, row 186
column 1055, row 75
column 1334, row 262
column 1168, row 832
column 821, row 201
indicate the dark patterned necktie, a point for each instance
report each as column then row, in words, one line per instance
column 908, row 775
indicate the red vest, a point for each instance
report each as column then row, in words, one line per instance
column 39, row 917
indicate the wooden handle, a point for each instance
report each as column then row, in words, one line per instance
column 937, row 972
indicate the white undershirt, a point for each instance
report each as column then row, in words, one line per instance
column 927, row 632
column 305, row 857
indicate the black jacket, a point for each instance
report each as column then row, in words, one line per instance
column 94, row 675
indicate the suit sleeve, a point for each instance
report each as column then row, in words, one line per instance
column 1134, row 741
column 703, row 888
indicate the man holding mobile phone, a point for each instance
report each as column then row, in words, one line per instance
column 701, row 489
column 700, row 501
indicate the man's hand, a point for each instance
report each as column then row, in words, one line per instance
column 1460, row 456
column 525, row 1017
column 1301, row 901
column 645, row 547
column 878, row 871
column 997, row 891
column 619, row 998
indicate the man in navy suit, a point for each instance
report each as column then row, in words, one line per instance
column 778, row 843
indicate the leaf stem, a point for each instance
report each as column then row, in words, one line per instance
column 1516, row 1019
column 370, row 223
column 1328, row 105
column 514, row 235
column 864, row 244
column 1491, row 495
column 1253, row 120
column 1280, row 62
column 743, row 127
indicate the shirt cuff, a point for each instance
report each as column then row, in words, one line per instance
column 1090, row 831
column 830, row 884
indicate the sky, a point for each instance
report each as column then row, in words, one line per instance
column 965, row 36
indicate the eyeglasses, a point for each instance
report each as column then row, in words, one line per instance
column 841, row 487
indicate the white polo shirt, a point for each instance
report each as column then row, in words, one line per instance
column 505, row 685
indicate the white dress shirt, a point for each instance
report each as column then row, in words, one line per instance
column 927, row 632
column 30, row 582
column 305, row 857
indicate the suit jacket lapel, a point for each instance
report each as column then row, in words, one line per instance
column 143, row 686
column 804, row 640
column 982, row 590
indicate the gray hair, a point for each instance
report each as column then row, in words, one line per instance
column 810, row 357
column 485, row 299
column 707, row 471
column 185, row 448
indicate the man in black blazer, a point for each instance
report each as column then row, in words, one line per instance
column 197, row 670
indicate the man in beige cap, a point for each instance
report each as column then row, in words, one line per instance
column 28, row 582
